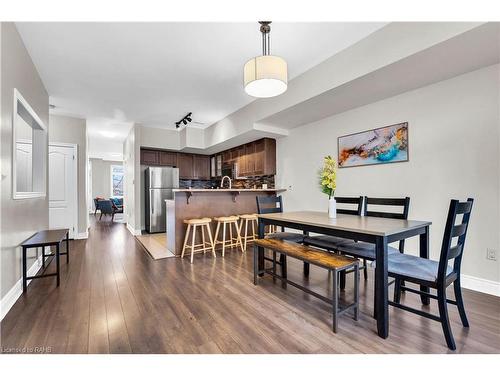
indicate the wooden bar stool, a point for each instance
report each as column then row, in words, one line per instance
column 246, row 219
column 203, row 224
column 232, row 241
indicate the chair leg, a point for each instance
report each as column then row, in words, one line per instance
column 216, row 237
column 231, row 236
column 211, row 240
column 397, row 290
column 443, row 316
column 246, row 234
column 223, row 238
column 203, row 238
column 100, row 217
column 185, row 240
column 365, row 269
column 460, row 302
column 238, row 237
column 192, row 243
column 342, row 280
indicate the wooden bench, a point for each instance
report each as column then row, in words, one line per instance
column 332, row 262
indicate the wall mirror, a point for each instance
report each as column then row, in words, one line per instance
column 29, row 151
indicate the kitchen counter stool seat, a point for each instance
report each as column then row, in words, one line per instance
column 232, row 241
column 192, row 225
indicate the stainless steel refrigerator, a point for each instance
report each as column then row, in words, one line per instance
column 159, row 182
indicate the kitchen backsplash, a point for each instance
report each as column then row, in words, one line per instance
column 247, row 183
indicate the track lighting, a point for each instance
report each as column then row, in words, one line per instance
column 184, row 120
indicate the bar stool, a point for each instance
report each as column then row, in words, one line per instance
column 246, row 219
column 231, row 242
column 203, row 224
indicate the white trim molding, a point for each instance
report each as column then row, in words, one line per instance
column 17, row 290
column 82, row 235
column 480, row 285
column 133, row 231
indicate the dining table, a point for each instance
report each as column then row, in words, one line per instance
column 379, row 231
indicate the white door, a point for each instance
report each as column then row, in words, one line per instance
column 63, row 188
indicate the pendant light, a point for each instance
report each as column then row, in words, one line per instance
column 265, row 76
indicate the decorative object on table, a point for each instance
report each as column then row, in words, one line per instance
column 328, row 177
column 265, row 76
column 388, row 144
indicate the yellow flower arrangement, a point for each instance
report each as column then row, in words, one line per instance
column 328, row 176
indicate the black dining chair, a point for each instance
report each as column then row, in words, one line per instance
column 271, row 205
column 348, row 206
column 330, row 243
column 436, row 275
column 366, row 251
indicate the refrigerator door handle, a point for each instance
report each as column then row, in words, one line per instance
column 151, row 201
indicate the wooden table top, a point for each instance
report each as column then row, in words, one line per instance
column 377, row 226
column 46, row 237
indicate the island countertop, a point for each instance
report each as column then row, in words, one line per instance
column 227, row 190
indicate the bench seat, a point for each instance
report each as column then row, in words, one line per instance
column 308, row 254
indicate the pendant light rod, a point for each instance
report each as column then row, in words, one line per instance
column 265, row 29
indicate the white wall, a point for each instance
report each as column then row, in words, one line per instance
column 73, row 130
column 131, row 166
column 454, row 153
column 20, row 218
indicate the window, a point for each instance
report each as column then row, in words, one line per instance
column 117, row 181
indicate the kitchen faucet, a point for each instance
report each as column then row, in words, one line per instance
column 222, row 181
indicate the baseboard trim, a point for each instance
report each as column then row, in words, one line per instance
column 480, row 285
column 133, row 231
column 17, row 290
column 82, row 236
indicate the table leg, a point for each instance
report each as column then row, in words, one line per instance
column 424, row 253
column 43, row 257
column 67, row 247
column 25, row 282
column 260, row 250
column 381, row 288
column 58, row 268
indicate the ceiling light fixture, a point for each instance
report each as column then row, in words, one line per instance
column 265, row 76
column 184, row 120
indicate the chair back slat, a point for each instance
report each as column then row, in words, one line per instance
column 451, row 231
column 458, row 230
column 269, row 205
column 357, row 210
column 464, row 207
column 403, row 203
column 455, row 251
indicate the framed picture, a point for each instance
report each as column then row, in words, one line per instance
column 388, row 144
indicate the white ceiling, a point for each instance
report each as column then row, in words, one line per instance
column 154, row 73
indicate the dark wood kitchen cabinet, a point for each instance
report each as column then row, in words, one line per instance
column 168, row 159
column 201, row 167
column 250, row 159
column 185, row 163
column 150, row 157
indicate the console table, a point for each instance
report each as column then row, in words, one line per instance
column 41, row 239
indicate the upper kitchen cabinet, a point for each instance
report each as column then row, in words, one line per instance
column 168, row 159
column 185, row 163
column 257, row 158
column 150, row 157
column 201, row 167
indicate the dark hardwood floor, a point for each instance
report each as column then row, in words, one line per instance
column 114, row 298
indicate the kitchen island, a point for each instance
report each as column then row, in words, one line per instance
column 198, row 203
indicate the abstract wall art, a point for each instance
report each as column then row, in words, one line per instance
column 388, row 144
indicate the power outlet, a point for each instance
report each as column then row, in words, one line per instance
column 491, row 254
